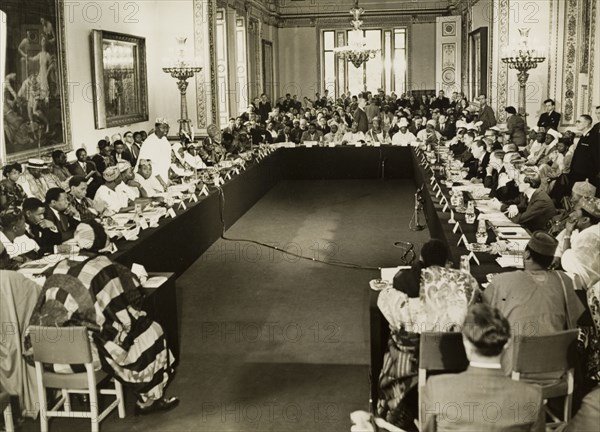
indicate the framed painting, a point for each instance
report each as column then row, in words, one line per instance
column 119, row 77
column 35, row 103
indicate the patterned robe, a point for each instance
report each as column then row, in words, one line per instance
column 104, row 297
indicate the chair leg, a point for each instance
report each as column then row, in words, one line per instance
column 94, row 408
column 42, row 398
column 8, row 419
column 67, row 404
column 121, row 398
column 568, row 407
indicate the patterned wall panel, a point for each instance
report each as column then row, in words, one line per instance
column 448, row 56
column 502, row 84
column 570, row 65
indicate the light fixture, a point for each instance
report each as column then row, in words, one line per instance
column 523, row 58
column 357, row 51
column 182, row 66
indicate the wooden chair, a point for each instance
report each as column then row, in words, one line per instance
column 440, row 352
column 70, row 346
column 7, row 410
column 550, row 354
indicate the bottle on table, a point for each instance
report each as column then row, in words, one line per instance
column 465, row 265
column 470, row 214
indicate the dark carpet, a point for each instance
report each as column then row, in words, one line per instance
column 272, row 342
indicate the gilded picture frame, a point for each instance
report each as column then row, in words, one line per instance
column 35, row 101
column 119, row 79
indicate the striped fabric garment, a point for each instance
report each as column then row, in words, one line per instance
column 104, row 297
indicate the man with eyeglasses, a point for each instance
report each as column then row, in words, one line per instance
column 129, row 149
column 586, row 156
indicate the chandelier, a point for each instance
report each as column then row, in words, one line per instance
column 523, row 58
column 357, row 51
column 182, row 66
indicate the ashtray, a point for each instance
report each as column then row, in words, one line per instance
column 378, row 284
column 478, row 247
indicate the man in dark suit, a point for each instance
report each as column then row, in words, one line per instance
column 486, row 115
column 360, row 116
column 441, row 102
column 83, row 167
column 535, row 207
column 44, row 232
column 549, row 119
column 59, row 212
column 446, row 129
column 482, row 398
column 479, row 161
column 121, row 153
column 586, row 157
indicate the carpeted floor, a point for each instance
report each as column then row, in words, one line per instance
column 271, row 342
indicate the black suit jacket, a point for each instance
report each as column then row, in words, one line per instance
column 538, row 211
column 76, row 169
column 551, row 120
column 442, row 104
column 447, row 130
column 66, row 224
column 45, row 238
column 126, row 155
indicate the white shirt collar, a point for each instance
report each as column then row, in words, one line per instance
column 485, row 365
column 56, row 212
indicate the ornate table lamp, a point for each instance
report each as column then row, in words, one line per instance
column 182, row 67
column 523, row 58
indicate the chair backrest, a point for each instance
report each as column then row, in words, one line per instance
column 60, row 345
column 540, row 354
column 440, row 351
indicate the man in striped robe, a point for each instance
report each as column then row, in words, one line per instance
column 105, row 297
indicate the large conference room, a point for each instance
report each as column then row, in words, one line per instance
column 300, row 215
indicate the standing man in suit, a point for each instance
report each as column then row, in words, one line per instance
column 482, row 397
column 60, row 213
column 360, row 116
column 486, row 114
column 549, row 119
column 586, row 156
column 441, row 102
column 128, row 141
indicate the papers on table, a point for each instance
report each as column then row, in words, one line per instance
column 155, row 282
column 512, row 232
column 311, row 143
column 388, row 273
column 505, row 261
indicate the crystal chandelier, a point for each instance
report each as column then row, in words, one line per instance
column 182, row 67
column 523, row 58
column 357, row 51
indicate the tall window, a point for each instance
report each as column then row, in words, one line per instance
column 329, row 61
column 387, row 70
column 399, row 60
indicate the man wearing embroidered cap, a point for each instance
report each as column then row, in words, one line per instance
column 403, row 137
column 429, row 135
column 158, row 149
column 534, row 300
column 128, row 185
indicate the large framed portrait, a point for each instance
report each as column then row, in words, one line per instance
column 119, row 77
column 35, row 103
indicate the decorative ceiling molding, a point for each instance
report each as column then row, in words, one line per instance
column 339, row 22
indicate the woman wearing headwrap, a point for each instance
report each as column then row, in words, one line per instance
column 105, row 297
column 427, row 297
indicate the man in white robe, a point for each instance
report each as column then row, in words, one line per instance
column 157, row 149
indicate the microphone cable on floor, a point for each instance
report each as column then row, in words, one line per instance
column 410, row 248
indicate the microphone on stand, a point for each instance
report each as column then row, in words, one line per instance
column 414, row 224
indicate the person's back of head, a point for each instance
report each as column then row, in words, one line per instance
column 434, row 252
column 486, row 330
